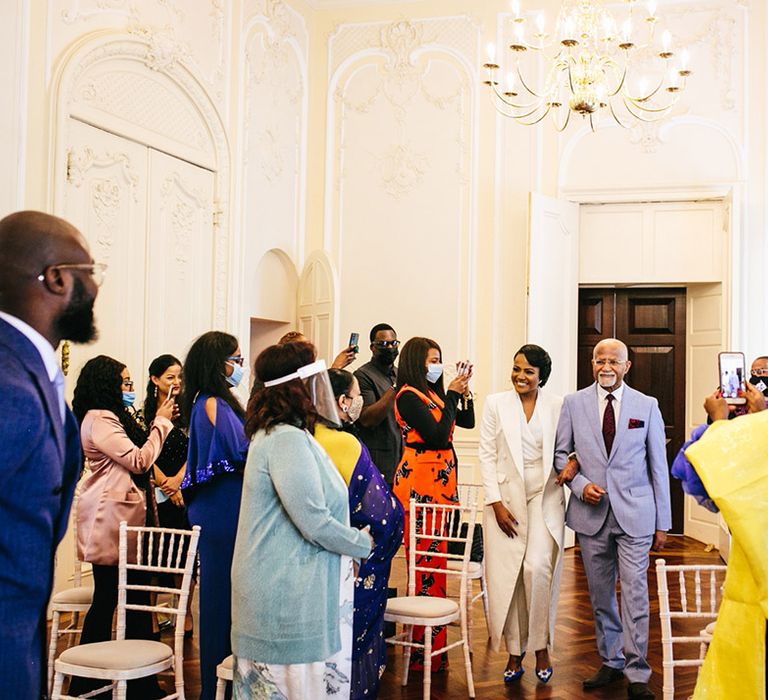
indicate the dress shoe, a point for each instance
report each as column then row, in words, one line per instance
column 544, row 675
column 605, row 676
column 636, row 691
column 512, row 676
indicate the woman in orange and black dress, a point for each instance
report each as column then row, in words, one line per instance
column 427, row 415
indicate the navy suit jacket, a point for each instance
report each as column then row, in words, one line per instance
column 39, row 466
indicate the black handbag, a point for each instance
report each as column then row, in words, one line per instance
column 477, row 550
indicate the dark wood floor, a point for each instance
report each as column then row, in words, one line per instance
column 574, row 657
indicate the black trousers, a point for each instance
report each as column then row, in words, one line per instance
column 97, row 626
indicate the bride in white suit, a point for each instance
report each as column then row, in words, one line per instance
column 524, row 513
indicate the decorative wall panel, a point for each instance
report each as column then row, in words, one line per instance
column 400, row 218
column 195, row 31
column 274, row 124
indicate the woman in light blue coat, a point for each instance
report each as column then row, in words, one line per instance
column 292, row 578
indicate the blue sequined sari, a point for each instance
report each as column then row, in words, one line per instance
column 372, row 503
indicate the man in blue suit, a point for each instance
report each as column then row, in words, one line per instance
column 47, row 290
column 611, row 446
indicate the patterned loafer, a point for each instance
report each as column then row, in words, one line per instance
column 544, row 675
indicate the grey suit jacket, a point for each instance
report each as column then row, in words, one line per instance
column 635, row 474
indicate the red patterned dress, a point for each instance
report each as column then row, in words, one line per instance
column 427, row 473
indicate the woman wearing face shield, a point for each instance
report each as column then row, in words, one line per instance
column 292, row 578
column 213, row 484
column 428, row 414
column 372, row 505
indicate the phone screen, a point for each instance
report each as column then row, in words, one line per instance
column 732, row 377
column 353, row 340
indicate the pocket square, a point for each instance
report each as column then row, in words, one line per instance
column 635, row 423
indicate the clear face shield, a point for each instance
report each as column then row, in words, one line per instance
column 318, row 385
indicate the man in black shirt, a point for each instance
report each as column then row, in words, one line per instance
column 377, row 425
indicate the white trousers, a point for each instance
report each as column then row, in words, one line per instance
column 527, row 624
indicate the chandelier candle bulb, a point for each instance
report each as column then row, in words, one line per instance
column 490, row 52
column 516, row 8
column 652, row 10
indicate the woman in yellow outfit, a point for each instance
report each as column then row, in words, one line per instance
column 731, row 460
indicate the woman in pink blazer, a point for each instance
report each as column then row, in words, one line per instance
column 119, row 453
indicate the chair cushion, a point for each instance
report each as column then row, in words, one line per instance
column 117, row 655
column 82, row 595
column 475, row 569
column 225, row 669
column 421, row 606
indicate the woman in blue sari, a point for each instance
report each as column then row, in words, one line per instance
column 371, row 504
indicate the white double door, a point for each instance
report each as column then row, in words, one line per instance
column 149, row 217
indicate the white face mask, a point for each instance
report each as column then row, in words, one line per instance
column 354, row 410
column 434, row 372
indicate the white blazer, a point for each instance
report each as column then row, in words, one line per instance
column 501, row 462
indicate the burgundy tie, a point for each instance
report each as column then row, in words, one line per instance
column 609, row 424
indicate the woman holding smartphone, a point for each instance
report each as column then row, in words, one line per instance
column 171, row 464
column 120, row 454
column 428, row 415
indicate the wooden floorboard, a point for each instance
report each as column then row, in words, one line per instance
column 574, row 657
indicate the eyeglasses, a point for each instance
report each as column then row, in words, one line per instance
column 386, row 343
column 128, row 384
column 236, row 359
column 95, row 270
column 760, row 372
column 609, row 363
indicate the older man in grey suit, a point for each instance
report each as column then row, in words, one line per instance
column 610, row 449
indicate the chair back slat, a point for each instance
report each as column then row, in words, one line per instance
column 435, row 523
column 155, row 555
column 691, row 622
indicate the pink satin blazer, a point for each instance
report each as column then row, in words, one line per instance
column 109, row 495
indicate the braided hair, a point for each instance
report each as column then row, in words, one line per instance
column 99, row 386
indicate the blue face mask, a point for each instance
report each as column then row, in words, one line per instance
column 434, row 372
column 237, row 374
column 129, row 397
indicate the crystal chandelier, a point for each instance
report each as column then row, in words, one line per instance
column 593, row 66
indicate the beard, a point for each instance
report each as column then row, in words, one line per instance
column 76, row 322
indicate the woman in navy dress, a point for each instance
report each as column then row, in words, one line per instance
column 213, row 485
column 372, row 505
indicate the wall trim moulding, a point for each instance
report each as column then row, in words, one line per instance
column 153, row 57
column 402, row 52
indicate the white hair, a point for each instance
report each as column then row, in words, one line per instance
column 613, row 343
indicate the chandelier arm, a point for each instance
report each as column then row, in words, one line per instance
column 649, row 95
column 500, row 96
column 621, row 83
column 641, row 118
column 524, row 84
column 565, row 123
column 500, row 108
column 533, row 123
column 616, row 117
column 649, row 110
column 535, row 109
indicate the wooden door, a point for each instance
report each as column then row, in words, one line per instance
column 652, row 324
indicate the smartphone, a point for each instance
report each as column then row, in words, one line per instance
column 173, row 390
column 354, row 338
column 733, row 372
